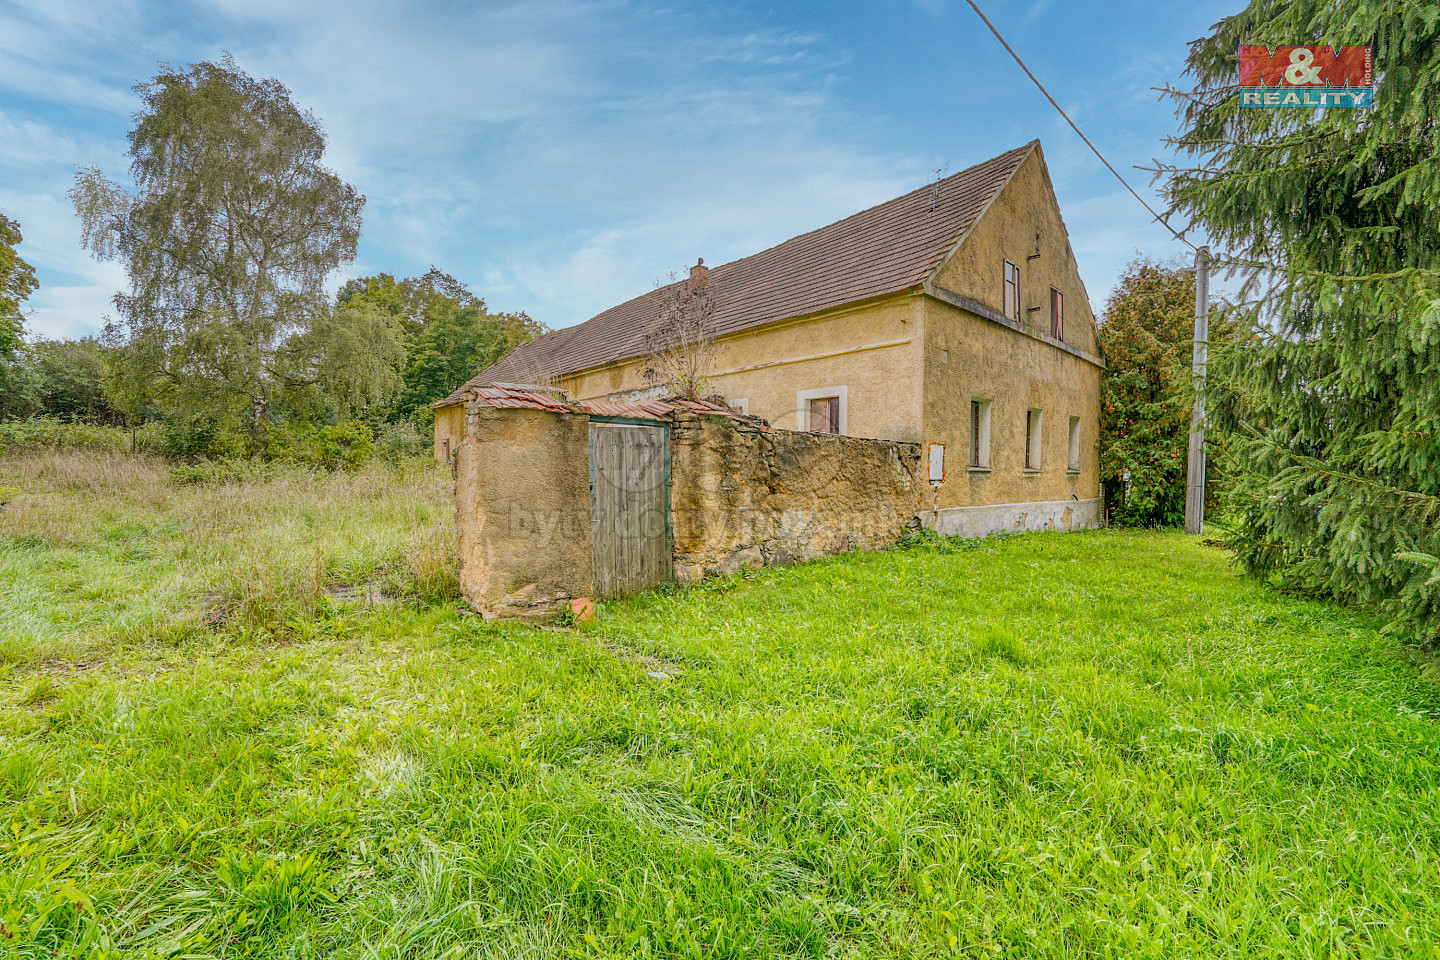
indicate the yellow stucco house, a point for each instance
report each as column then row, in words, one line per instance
column 952, row 315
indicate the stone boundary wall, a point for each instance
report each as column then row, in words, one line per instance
column 742, row 496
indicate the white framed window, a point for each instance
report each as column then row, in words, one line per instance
column 1012, row 291
column 979, row 434
column 1074, row 445
column 822, row 410
column 1033, row 419
column 1057, row 314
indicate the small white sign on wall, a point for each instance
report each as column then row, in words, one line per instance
column 937, row 463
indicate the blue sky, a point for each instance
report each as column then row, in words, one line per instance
column 560, row 157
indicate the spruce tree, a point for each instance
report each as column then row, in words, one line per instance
column 1331, row 406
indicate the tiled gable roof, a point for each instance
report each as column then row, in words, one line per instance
column 885, row 249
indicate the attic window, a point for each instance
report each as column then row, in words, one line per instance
column 1012, row 291
column 1057, row 314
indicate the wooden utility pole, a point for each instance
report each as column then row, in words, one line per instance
column 1195, row 473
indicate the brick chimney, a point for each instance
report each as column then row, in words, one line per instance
column 699, row 274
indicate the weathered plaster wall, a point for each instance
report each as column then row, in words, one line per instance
column 522, row 498
column 738, row 496
column 969, row 357
column 1025, row 207
column 973, row 357
column 743, row 497
column 873, row 349
column 449, row 428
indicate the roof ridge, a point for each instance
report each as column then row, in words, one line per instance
column 859, row 213
column 994, row 193
column 869, row 252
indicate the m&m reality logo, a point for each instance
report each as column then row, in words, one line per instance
column 1307, row 76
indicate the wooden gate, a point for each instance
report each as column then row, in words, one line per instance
column 629, row 505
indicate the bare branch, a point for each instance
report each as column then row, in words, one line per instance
column 679, row 341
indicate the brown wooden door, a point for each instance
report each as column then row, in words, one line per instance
column 629, row 506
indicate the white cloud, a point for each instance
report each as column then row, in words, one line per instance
column 75, row 290
column 599, row 140
column 559, row 155
column 69, row 312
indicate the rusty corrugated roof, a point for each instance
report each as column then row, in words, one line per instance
column 513, row 395
column 890, row 247
column 509, row 395
column 643, row 409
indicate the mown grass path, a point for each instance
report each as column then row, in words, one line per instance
column 1087, row 745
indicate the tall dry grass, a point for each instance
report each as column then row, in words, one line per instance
column 100, row 549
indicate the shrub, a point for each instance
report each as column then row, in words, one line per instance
column 198, row 438
column 209, row 451
column 400, row 441
column 149, row 438
column 54, row 433
column 345, row 445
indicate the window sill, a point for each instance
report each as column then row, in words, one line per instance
column 1073, row 472
column 1031, row 472
column 979, row 470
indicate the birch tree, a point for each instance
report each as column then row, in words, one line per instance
column 228, row 234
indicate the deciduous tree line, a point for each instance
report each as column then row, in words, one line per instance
column 229, row 227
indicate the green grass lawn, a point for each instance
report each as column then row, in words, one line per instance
column 1100, row 744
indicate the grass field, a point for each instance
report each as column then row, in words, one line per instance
column 1087, row 745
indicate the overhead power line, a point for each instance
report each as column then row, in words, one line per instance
column 1078, row 132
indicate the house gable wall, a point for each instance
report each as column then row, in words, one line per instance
column 968, row 357
column 973, row 352
column 1006, row 231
